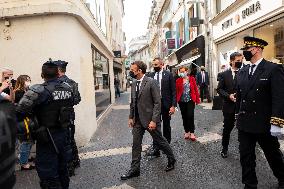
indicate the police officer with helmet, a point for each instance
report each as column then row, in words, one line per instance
column 8, row 126
column 51, row 104
column 75, row 161
column 260, row 108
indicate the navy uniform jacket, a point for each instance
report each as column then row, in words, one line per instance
column 74, row 86
column 168, row 89
column 36, row 96
column 260, row 100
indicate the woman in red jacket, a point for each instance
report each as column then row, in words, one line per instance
column 187, row 96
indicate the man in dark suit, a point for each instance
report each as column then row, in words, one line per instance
column 167, row 87
column 260, row 107
column 227, row 90
column 145, row 112
column 202, row 80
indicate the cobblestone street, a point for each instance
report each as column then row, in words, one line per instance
column 199, row 164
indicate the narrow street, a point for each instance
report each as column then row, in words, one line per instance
column 199, row 164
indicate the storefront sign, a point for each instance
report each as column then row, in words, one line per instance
column 227, row 24
column 244, row 16
column 251, row 10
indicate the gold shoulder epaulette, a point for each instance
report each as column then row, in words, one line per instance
column 277, row 121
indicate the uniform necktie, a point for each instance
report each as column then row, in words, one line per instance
column 236, row 72
column 251, row 71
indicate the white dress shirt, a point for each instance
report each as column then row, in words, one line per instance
column 203, row 76
column 256, row 64
column 233, row 72
column 160, row 77
column 141, row 80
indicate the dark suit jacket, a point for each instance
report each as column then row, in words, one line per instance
column 199, row 78
column 227, row 86
column 168, row 89
column 260, row 100
column 148, row 102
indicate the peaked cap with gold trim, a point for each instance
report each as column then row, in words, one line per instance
column 253, row 42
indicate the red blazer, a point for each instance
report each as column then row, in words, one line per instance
column 194, row 94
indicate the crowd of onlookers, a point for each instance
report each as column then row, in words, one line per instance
column 13, row 90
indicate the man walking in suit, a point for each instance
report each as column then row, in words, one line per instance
column 260, row 107
column 202, row 79
column 167, row 86
column 227, row 90
column 145, row 112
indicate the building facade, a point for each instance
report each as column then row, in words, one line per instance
column 178, row 31
column 116, row 37
column 76, row 31
column 240, row 18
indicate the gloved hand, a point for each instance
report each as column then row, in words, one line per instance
column 276, row 131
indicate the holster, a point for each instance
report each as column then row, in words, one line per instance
column 65, row 116
column 41, row 135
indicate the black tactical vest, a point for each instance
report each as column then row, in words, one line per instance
column 8, row 127
column 56, row 113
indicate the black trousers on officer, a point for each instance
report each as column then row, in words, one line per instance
column 75, row 155
column 52, row 167
column 229, row 123
column 272, row 152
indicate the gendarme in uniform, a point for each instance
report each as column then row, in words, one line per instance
column 51, row 103
column 75, row 161
column 260, row 108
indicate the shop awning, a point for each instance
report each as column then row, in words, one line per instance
column 117, row 65
column 191, row 50
column 189, row 61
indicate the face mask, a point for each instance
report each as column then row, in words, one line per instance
column 182, row 74
column 131, row 73
column 238, row 64
column 202, row 69
column 157, row 69
column 248, row 55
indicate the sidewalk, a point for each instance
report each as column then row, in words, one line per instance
column 199, row 165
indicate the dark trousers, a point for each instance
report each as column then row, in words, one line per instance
column 229, row 123
column 52, row 167
column 117, row 91
column 75, row 155
column 167, row 130
column 204, row 92
column 272, row 152
column 138, row 133
column 187, row 113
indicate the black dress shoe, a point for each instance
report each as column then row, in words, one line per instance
column 281, row 185
column 154, row 153
column 171, row 165
column 130, row 174
column 224, row 154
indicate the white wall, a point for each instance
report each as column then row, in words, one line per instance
column 35, row 39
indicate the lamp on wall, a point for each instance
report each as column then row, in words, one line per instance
column 7, row 23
